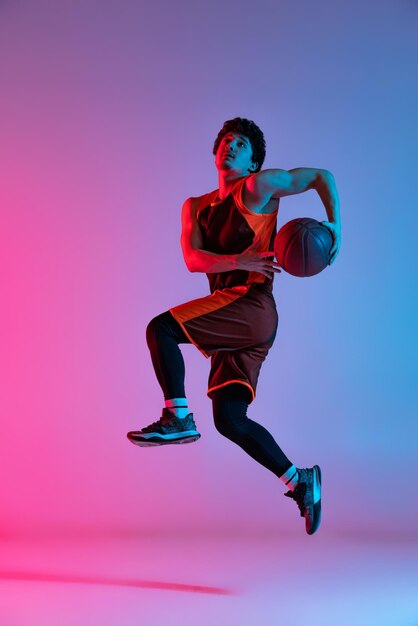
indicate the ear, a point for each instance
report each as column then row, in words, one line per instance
column 253, row 167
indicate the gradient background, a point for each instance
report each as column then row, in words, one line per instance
column 108, row 113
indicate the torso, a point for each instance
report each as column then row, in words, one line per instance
column 229, row 226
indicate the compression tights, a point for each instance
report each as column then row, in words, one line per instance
column 230, row 403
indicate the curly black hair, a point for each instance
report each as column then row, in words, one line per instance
column 250, row 130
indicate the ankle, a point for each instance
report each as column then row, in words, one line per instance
column 291, row 478
column 177, row 406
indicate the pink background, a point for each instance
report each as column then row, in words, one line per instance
column 108, row 114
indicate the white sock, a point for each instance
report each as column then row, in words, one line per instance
column 290, row 478
column 178, row 406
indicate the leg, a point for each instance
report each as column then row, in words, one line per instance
column 230, row 405
column 163, row 336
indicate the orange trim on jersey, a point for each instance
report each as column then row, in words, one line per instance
column 205, row 200
column 229, row 382
column 262, row 224
column 201, row 306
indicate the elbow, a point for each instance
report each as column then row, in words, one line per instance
column 326, row 175
column 193, row 260
column 190, row 264
column 188, row 259
column 324, row 179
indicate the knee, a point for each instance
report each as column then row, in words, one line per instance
column 155, row 329
column 229, row 411
column 230, row 426
column 221, row 423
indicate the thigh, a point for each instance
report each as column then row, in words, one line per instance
column 164, row 325
column 230, row 367
column 225, row 321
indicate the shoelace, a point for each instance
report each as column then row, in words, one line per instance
column 164, row 419
column 298, row 495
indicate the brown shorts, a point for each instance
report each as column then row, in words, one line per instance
column 236, row 327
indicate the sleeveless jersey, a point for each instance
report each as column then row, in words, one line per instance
column 228, row 227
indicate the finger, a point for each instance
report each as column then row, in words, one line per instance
column 267, row 273
column 272, row 268
column 266, row 254
column 332, row 259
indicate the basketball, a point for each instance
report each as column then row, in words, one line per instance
column 302, row 247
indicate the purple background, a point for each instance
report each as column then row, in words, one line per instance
column 108, row 113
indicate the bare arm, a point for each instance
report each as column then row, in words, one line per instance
column 268, row 184
column 199, row 260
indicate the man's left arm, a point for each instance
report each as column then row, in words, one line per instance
column 269, row 184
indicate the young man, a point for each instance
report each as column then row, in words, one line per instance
column 229, row 234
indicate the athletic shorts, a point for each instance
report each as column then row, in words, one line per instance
column 235, row 327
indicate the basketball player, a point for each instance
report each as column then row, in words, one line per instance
column 228, row 233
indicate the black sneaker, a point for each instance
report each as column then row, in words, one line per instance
column 307, row 496
column 168, row 429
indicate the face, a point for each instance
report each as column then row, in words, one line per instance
column 235, row 153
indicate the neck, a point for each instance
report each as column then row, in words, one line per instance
column 226, row 180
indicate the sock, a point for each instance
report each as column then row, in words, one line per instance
column 290, row 478
column 178, row 406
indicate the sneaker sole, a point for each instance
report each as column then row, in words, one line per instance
column 317, row 505
column 146, row 443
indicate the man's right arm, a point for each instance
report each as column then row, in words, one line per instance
column 199, row 260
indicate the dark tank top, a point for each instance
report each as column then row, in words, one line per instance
column 228, row 227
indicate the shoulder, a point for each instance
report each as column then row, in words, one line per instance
column 249, row 197
column 263, row 183
column 194, row 204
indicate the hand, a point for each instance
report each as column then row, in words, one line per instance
column 336, row 237
column 254, row 261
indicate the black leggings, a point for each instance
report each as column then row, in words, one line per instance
column 230, row 403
